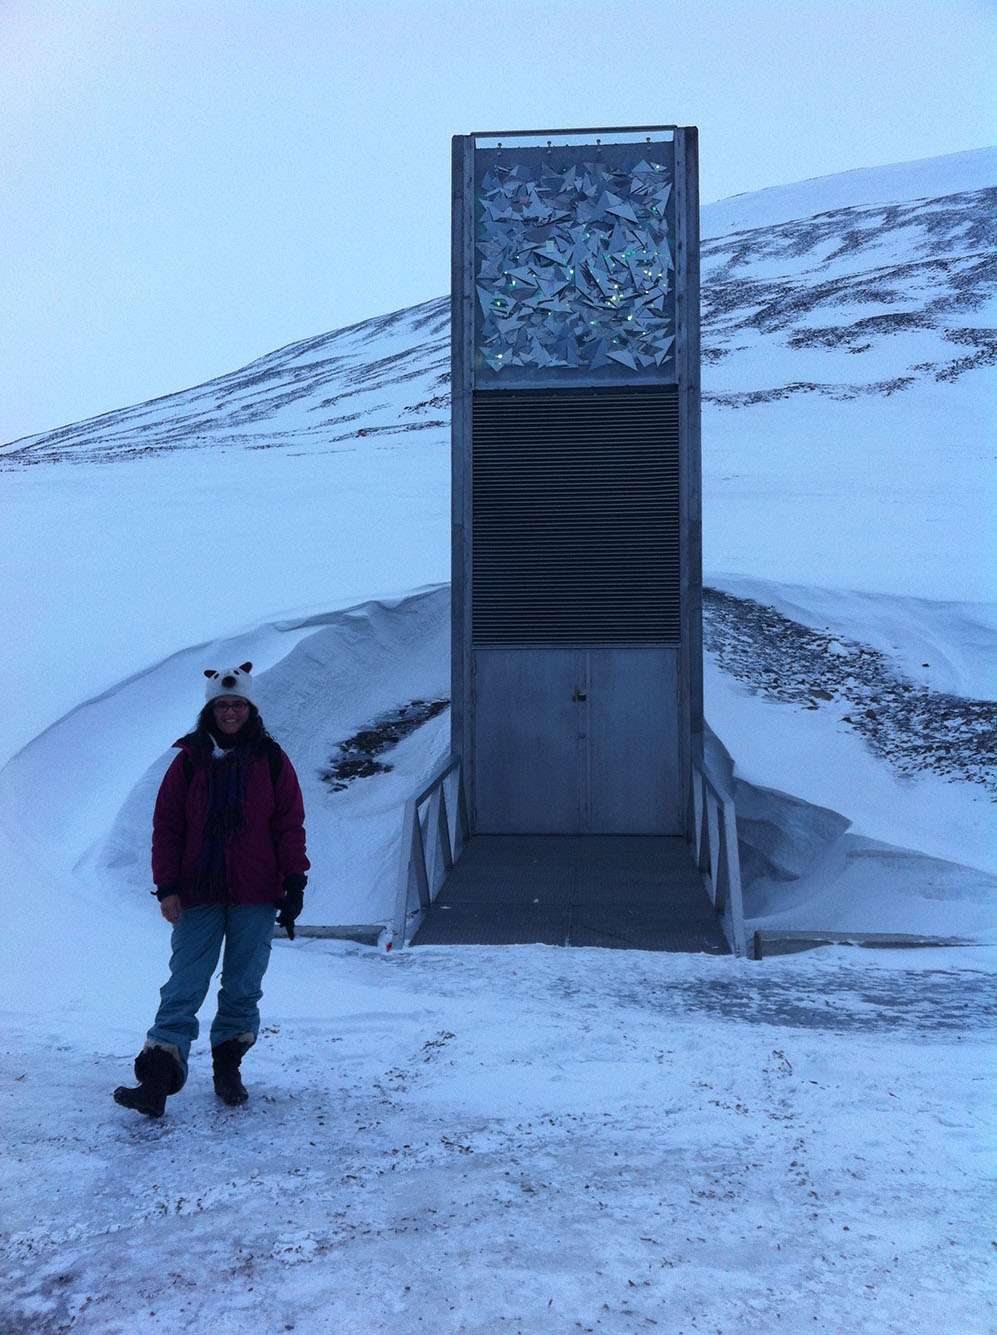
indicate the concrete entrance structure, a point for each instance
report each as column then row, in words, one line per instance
column 577, row 771
column 577, row 651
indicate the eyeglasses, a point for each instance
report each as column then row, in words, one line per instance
column 231, row 706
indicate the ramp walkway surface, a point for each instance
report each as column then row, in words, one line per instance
column 625, row 892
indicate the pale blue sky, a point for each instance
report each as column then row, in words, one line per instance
column 188, row 184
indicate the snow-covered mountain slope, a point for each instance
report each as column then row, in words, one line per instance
column 868, row 282
column 896, row 183
column 845, row 489
column 848, row 333
column 856, row 298
column 379, row 380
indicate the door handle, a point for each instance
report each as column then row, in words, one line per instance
column 578, row 696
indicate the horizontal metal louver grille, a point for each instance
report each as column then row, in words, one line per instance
column 575, row 504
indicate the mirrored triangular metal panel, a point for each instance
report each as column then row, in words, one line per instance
column 574, row 267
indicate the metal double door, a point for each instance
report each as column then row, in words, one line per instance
column 576, row 741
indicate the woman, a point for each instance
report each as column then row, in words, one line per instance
column 228, row 851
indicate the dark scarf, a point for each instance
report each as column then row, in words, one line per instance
column 226, row 812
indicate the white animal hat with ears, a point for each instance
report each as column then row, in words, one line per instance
column 230, row 681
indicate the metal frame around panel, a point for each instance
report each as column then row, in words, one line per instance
column 461, row 383
column 688, row 364
column 587, row 130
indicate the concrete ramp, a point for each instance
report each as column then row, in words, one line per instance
column 621, row 892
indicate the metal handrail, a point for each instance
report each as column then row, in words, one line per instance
column 427, row 826
column 713, row 833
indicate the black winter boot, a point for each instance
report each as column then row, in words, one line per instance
column 159, row 1075
column 225, row 1059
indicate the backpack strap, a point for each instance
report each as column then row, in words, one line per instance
column 275, row 759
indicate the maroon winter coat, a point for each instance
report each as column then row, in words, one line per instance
column 270, row 846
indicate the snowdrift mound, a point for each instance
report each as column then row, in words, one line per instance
column 319, row 680
column 805, row 867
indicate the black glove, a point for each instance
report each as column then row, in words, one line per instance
column 290, row 906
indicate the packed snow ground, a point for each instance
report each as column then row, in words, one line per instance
column 534, row 1140
column 530, row 1139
